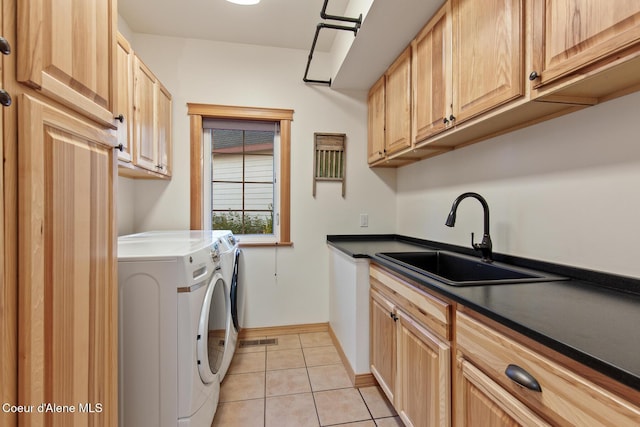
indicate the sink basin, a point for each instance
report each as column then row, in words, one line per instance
column 461, row 270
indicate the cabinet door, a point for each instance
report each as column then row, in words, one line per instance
column 431, row 76
column 383, row 343
column 67, row 306
column 488, row 55
column 398, row 104
column 482, row 402
column 66, row 49
column 163, row 129
column 145, row 151
column 570, row 34
column 424, row 376
column 375, row 104
column 124, row 97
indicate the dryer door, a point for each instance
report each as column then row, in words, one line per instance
column 212, row 330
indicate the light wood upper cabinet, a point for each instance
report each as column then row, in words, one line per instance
column 67, row 307
column 124, row 97
column 152, row 116
column 145, row 146
column 398, row 104
column 163, row 128
column 66, row 51
column 376, row 121
column 146, row 129
column 571, row 34
column 431, row 76
column 481, row 69
column 488, row 46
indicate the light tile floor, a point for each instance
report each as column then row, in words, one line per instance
column 299, row 382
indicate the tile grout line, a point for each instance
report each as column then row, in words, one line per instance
column 367, row 406
column 313, row 395
column 264, row 411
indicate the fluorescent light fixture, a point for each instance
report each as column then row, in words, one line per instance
column 244, row 2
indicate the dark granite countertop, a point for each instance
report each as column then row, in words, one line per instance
column 593, row 318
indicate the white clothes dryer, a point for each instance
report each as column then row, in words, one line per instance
column 230, row 256
column 175, row 322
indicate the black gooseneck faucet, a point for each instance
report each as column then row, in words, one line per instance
column 485, row 247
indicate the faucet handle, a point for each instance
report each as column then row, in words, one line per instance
column 484, row 247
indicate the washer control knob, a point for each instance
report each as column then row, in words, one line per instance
column 215, row 253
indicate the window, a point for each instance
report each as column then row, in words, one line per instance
column 240, row 171
column 243, row 176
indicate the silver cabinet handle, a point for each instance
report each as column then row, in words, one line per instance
column 522, row 377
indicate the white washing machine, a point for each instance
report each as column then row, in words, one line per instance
column 175, row 326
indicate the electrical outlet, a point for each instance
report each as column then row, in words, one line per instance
column 364, row 220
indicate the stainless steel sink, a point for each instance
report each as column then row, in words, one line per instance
column 461, row 270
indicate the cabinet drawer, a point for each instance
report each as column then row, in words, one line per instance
column 481, row 401
column 432, row 312
column 565, row 397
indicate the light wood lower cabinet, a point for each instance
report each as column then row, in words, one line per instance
column 67, row 306
column 482, row 402
column 562, row 396
column 411, row 356
column 410, row 361
column 423, row 376
column 383, row 343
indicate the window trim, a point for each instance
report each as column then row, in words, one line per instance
column 196, row 113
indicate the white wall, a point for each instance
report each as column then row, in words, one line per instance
column 566, row 190
column 285, row 285
column 124, row 29
column 126, row 206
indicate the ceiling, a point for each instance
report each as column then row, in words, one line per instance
column 278, row 23
column 388, row 27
